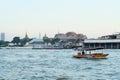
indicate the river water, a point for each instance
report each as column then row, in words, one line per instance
column 28, row 64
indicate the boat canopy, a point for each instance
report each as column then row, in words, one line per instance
column 88, row 49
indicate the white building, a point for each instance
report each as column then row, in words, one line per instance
column 3, row 36
column 106, row 43
column 36, row 43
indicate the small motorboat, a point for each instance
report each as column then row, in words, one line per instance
column 90, row 55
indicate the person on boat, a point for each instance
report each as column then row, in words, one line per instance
column 83, row 52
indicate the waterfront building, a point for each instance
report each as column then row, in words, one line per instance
column 70, row 36
column 113, row 36
column 61, row 36
column 3, row 36
column 106, row 43
column 118, row 36
column 70, row 39
column 36, row 43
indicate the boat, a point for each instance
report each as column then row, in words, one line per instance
column 90, row 55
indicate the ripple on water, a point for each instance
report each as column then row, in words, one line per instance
column 56, row 65
column 88, row 68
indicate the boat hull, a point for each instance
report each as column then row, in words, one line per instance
column 93, row 56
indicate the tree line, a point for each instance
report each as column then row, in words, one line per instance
column 21, row 42
column 16, row 41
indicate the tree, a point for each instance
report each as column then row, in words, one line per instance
column 24, row 41
column 16, row 40
column 3, row 43
column 46, row 40
column 54, row 40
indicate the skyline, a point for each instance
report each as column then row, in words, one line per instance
column 42, row 35
column 89, row 17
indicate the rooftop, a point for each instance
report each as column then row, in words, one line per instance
column 102, row 41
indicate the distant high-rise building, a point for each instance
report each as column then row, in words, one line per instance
column 3, row 36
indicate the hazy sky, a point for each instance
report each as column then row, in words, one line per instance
column 93, row 18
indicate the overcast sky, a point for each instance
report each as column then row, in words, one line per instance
column 93, row 18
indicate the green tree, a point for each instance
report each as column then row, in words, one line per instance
column 24, row 41
column 54, row 40
column 3, row 43
column 16, row 40
column 46, row 40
